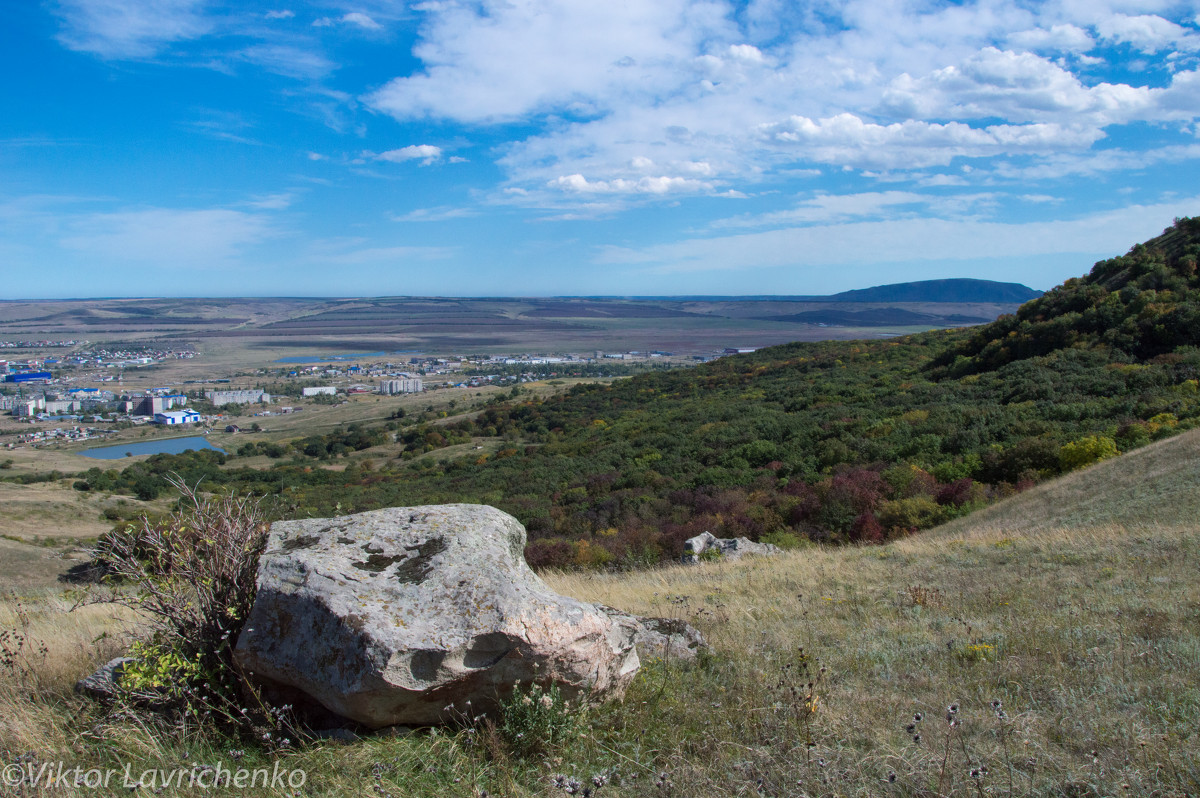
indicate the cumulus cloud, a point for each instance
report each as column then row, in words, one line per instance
column 493, row 61
column 1062, row 37
column 846, row 139
column 642, row 98
column 121, row 29
column 425, row 153
column 1021, row 87
column 662, row 184
column 1146, row 33
column 593, row 108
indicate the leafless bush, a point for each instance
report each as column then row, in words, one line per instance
column 21, row 653
column 191, row 576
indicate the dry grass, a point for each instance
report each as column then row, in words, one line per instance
column 1089, row 638
column 54, row 511
column 1158, row 484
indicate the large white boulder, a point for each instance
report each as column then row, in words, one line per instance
column 393, row 616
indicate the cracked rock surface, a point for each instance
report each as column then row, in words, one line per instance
column 394, row 616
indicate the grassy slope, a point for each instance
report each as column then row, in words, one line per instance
column 1089, row 635
column 1158, row 484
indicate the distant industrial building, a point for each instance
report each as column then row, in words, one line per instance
column 405, row 385
column 321, row 390
column 29, row 376
column 249, row 397
column 177, row 417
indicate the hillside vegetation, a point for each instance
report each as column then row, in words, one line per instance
column 1068, row 651
column 828, row 442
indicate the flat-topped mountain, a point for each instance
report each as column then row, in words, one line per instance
column 952, row 290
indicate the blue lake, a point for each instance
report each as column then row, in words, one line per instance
column 162, row 446
column 329, row 358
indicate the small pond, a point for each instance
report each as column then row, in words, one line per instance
column 160, row 446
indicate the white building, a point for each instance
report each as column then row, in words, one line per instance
column 321, row 390
column 26, row 408
column 177, row 417
column 248, row 397
column 405, row 385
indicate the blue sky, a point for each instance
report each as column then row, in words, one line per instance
column 549, row 147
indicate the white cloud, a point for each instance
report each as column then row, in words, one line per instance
column 906, row 240
column 846, row 139
column 369, row 255
column 828, row 208
column 288, row 60
column 281, row 14
column 168, row 238
column 1057, row 38
column 662, row 184
column 1056, row 167
column 352, row 18
column 123, row 29
column 745, row 52
column 270, row 202
column 439, row 214
column 651, row 88
column 1020, row 87
column 1146, row 33
column 361, row 20
column 425, row 153
column 495, row 61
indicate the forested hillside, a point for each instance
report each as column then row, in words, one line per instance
column 829, row 441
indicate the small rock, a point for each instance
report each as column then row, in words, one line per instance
column 665, row 638
column 670, row 639
column 693, row 548
column 105, row 682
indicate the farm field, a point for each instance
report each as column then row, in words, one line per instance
column 239, row 332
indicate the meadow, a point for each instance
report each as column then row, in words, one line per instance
column 1045, row 646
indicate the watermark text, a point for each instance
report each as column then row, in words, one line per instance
column 51, row 775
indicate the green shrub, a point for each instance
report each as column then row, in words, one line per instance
column 785, row 540
column 538, row 720
column 1087, row 450
column 908, row 515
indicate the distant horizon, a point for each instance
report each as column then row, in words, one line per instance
column 645, row 297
